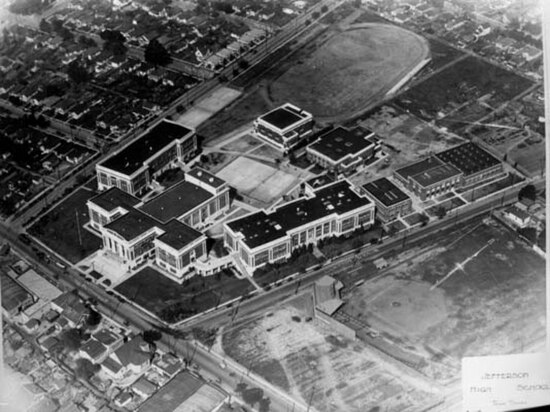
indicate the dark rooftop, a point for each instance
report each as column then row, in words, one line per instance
column 112, row 198
column 13, row 294
column 282, row 117
column 385, row 191
column 319, row 181
column 206, row 177
column 132, row 224
column 178, row 235
column 340, row 142
column 172, row 395
column 260, row 228
column 176, row 201
column 419, row 167
column 93, row 348
column 469, row 158
column 132, row 157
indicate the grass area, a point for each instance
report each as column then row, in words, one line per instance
column 469, row 79
column 58, row 228
column 171, row 177
column 442, row 53
column 271, row 273
column 413, row 219
column 243, row 144
column 242, row 111
column 349, row 70
column 335, row 246
column 448, row 205
column 173, row 302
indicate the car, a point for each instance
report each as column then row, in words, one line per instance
column 23, row 237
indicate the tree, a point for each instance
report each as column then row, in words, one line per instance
column 528, row 192
column 243, row 64
column 44, row 26
column 94, row 318
column 440, row 212
column 77, row 72
column 529, row 233
column 114, row 42
column 156, row 54
column 324, row 9
column 423, row 219
column 151, row 336
column 85, row 369
column 71, row 339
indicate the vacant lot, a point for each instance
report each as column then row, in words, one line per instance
column 351, row 70
column 530, row 155
column 462, row 83
column 306, row 359
column 172, row 302
column 257, row 180
column 61, row 228
column 493, row 304
column 442, row 53
column 243, row 144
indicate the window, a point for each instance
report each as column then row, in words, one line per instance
column 261, row 258
column 229, row 241
column 365, row 217
column 223, row 200
column 279, row 251
column 244, row 256
column 294, row 240
column 310, row 233
column 95, row 217
column 318, row 231
column 166, row 257
column 326, row 228
column 303, row 237
column 212, row 207
column 347, row 224
column 103, row 179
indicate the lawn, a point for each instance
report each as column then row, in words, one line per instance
column 350, row 70
column 173, row 302
column 271, row 273
column 58, row 228
column 459, row 83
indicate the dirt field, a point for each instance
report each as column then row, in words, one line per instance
column 350, row 70
column 496, row 305
column 306, row 359
column 208, row 106
column 257, row 180
column 243, row 144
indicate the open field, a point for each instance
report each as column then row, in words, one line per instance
column 350, row 70
column 58, row 228
column 442, row 53
column 530, row 155
column 494, row 305
column 404, row 137
column 208, row 106
column 305, row 358
column 257, row 180
column 172, row 302
column 243, row 144
column 461, row 83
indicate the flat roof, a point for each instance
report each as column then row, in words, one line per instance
column 172, row 395
column 261, row 228
column 178, row 235
column 93, row 348
column 283, row 117
column 419, row 167
column 112, row 198
column 341, row 142
column 385, row 191
column 320, row 181
column 132, row 224
column 206, row 177
column 436, row 174
column 133, row 156
column 176, row 201
column 469, row 158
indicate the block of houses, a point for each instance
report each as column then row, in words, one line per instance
column 343, row 150
column 284, row 126
column 134, row 167
column 390, row 201
column 266, row 237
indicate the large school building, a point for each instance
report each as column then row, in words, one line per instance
column 133, row 168
column 262, row 237
column 166, row 228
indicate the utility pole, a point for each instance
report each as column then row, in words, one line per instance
column 78, row 228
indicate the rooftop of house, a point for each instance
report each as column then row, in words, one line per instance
column 521, row 214
column 133, row 156
column 178, row 235
column 112, row 198
column 38, row 285
column 142, row 385
column 176, row 201
column 261, row 228
column 385, row 192
column 168, row 363
column 106, row 337
column 93, row 348
column 72, row 307
column 134, row 352
column 284, row 116
column 341, row 142
column 13, row 294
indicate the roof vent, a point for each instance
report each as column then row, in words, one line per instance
column 211, row 179
column 199, row 173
